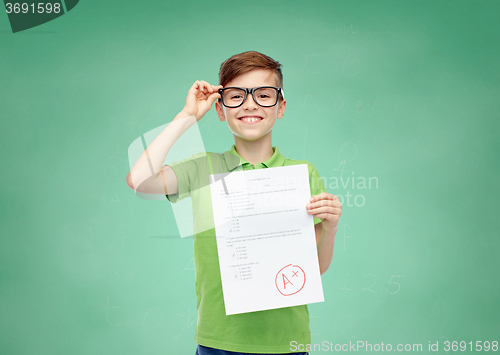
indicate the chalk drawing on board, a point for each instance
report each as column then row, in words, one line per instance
column 188, row 323
column 107, row 309
column 345, row 236
column 345, row 283
column 394, row 283
column 188, row 266
column 152, row 313
column 371, row 285
column 348, row 151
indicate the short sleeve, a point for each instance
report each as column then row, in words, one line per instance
column 187, row 172
column 316, row 185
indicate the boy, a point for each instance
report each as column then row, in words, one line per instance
column 250, row 99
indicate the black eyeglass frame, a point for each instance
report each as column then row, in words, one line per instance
column 251, row 91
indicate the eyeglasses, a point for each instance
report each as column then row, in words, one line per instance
column 265, row 96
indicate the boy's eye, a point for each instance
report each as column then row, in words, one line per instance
column 265, row 94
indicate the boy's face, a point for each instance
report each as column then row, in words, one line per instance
column 266, row 116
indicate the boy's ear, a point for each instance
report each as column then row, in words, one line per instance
column 281, row 109
column 220, row 111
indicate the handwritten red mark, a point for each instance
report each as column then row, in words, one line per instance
column 283, row 283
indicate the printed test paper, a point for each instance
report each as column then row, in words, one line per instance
column 265, row 239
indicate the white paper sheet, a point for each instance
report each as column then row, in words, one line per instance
column 265, row 239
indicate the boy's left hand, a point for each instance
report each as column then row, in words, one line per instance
column 327, row 207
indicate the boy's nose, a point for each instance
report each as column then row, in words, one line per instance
column 250, row 102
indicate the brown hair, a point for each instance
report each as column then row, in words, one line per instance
column 244, row 62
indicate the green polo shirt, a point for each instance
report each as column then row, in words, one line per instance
column 269, row 331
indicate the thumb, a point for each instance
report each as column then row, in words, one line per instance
column 212, row 98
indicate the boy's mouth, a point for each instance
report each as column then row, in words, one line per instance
column 250, row 119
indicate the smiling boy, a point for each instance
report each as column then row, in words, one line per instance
column 250, row 99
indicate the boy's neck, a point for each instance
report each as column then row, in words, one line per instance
column 254, row 152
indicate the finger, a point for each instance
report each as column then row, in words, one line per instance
column 325, row 216
column 333, row 203
column 328, row 210
column 199, row 85
column 203, row 87
column 321, row 196
column 212, row 98
column 198, row 88
column 214, row 88
column 329, row 213
column 206, row 86
column 210, row 88
column 323, row 203
column 194, row 87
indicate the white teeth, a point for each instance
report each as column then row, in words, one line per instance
column 251, row 119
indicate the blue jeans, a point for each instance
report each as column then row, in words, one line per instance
column 203, row 350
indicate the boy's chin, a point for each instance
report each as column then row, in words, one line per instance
column 247, row 135
column 251, row 137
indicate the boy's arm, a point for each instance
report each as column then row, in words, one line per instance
column 327, row 207
column 148, row 175
column 325, row 241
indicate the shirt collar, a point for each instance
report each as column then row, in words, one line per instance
column 233, row 159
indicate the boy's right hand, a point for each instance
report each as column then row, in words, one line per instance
column 200, row 98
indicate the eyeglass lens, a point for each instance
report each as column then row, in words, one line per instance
column 263, row 96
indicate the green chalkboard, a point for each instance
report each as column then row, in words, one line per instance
column 396, row 103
